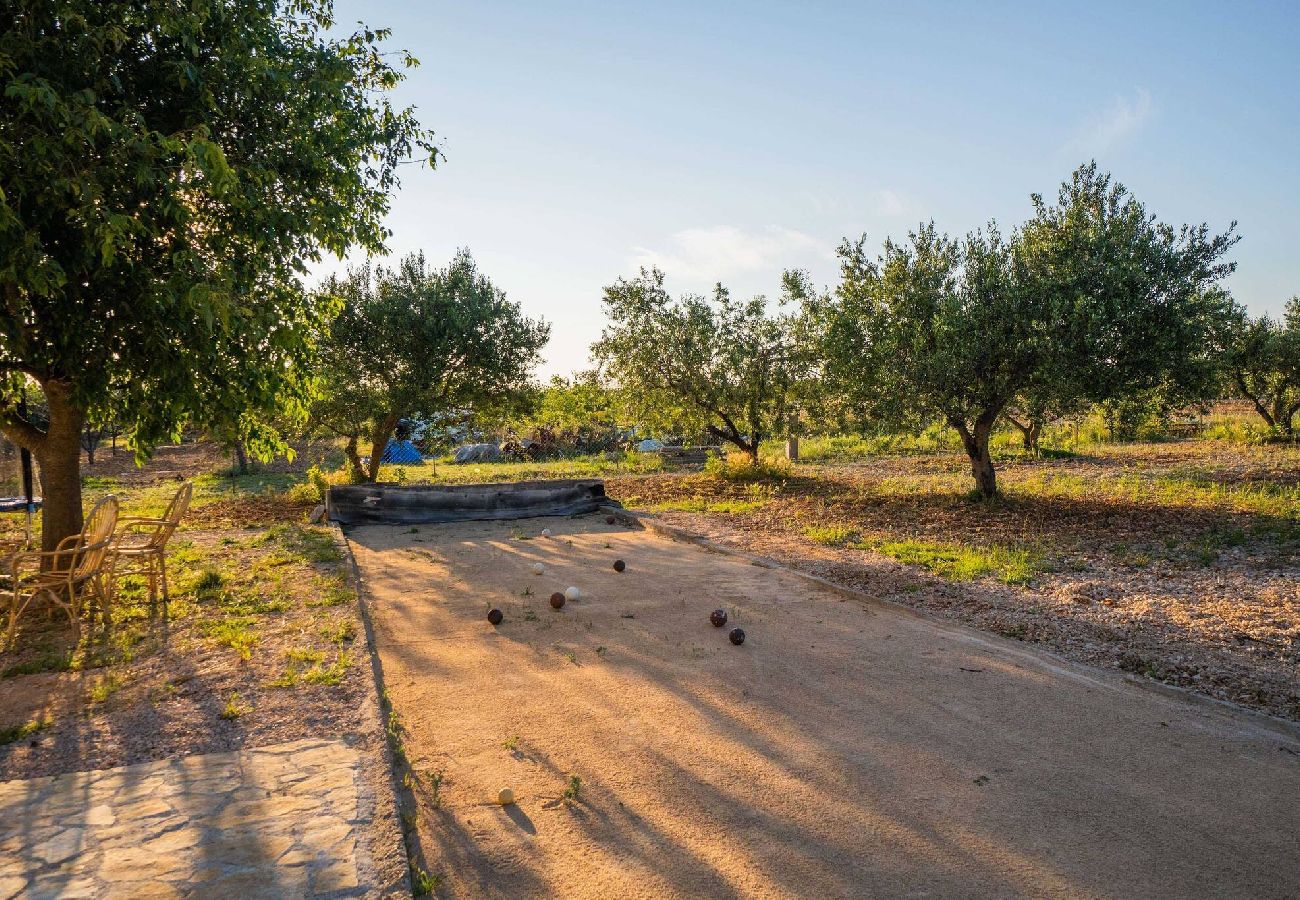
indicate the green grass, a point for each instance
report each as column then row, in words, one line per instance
column 51, row 662
column 963, row 562
column 443, row 471
column 341, row 632
column 831, row 535
column 26, row 729
column 307, row 666
column 235, row 632
column 303, row 543
column 698, row 505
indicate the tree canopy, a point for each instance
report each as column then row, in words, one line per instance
column 413, row 340
column 695, row 364
column 167, row 172
column 1264, row 362
column 1091, row 298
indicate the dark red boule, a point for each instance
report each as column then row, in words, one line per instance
column 609, row 520
column 619, row 565
column 718, row 617
column 737, row 636
column 495, row 616
column 557, row 600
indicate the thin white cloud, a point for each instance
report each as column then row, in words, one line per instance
column 723, row 251
column 1121, row 119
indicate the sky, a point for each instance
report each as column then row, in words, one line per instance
column 730, row 141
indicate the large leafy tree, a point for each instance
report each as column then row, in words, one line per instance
column 718, row 365
column 1091, row 299
column 414, row 340
column 1264, row 362
column 167, row 171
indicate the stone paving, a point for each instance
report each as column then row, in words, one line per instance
column 278, row 821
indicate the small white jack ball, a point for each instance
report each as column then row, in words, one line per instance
column 546, row 532
column 572, row 593
column 538, row 569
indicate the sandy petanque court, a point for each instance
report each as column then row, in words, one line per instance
column 845, row 749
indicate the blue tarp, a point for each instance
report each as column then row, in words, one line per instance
column 401, row 452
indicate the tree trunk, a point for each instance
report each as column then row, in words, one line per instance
column 355, row 472
column 59, row 455
column 976, row 442
column 379, row 442
column 241, row 457
column 1030, row 436
column 1030, row 430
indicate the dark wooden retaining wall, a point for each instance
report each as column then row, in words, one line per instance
column 400, row 504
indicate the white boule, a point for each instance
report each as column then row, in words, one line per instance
column 572, row 593
column 538, row 568
column 546, row 532
column 505, row 796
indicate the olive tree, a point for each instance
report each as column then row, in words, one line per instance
column 414, row 340
column 1091, row 299
column 1264, row 363
column 713, row 364
column 167, row 172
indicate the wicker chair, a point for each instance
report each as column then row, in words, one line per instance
column 140, row 547
column 79, row 563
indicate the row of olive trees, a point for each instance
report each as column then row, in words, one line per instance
column 1092, row 300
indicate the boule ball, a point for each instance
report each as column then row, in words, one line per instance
column 495, row 616
column 718, row 617
column 546, row 532
column 557, row 600
column 572, row 593
column 737, row 636
column 505, row 796
column 610, row 520
column 539, row 569
column 619, row 565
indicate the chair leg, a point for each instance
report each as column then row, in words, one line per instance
column 162, row 567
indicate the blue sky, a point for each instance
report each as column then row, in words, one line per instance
column 727, row 141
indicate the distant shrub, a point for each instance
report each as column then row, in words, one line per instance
column 739, row 467
column 318, row 482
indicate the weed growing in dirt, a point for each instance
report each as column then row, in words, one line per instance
column 234, row 708
column 511, row 743
column 435, row 787
column 235, row 632
column 307, row 666
column 27, row 729
column 572, row 788
column 341, row 632
column 105, row 687
column 422, row 883
column 207, row 586
column 331, row 674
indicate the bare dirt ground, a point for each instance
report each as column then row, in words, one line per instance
column 847, row 748
column 1177, row 562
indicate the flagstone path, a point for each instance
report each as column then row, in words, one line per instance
column 286, row 820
